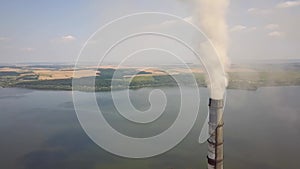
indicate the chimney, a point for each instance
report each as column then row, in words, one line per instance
column 215, row 141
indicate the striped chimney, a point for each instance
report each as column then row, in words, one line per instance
column 215, row 141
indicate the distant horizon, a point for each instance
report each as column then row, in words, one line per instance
column 115, row 63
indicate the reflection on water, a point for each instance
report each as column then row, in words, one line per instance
column 39, row 130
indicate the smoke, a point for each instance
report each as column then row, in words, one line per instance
column 210, row 16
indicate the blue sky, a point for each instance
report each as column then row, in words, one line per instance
column 55, row 30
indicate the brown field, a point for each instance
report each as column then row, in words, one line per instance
column 67, row 73
column 49, row 74
column 8, row 69
column 45, row 74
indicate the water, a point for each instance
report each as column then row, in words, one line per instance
column 40, row 130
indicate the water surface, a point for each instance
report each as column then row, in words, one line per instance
column 40, row 130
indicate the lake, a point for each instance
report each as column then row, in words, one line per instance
column 40, row 130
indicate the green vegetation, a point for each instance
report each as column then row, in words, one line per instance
column 254, row 80
column 132, row 78
column 9, row 73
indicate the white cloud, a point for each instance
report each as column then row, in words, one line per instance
column 272, row 26
column 257, row 11
column 64, row 39
column 169, row 23
column 252, row 9
column 68, row 38
column 288, row 4
column 276, row 34
column 252, row 28
column 4, row 38
column 189, row 19
column 238, row 28
column 28, row 49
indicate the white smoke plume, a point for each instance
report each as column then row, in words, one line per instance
column 210, row 16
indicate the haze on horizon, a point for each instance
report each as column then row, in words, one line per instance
column 54, row 31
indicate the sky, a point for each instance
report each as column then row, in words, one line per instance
column 55, row 31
